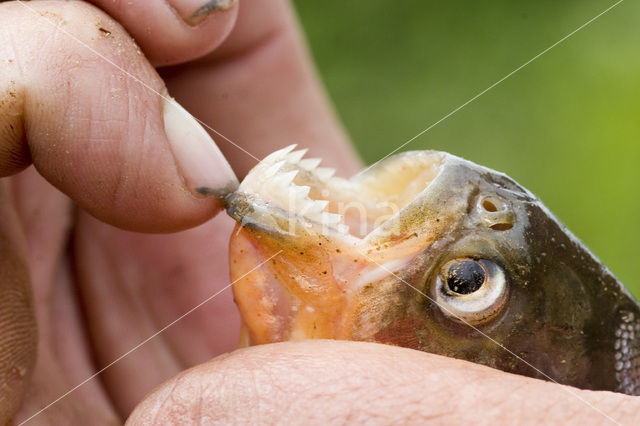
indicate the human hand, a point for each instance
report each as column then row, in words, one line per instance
column 99, row 291
column 72, row 104
column 332, row 382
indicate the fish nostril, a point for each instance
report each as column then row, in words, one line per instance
column 489, row 206
column 501, row 226
column 496, row 213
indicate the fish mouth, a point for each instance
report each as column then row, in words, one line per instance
column 289, row 195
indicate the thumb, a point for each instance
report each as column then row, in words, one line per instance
column 320, row 382
column 79, row 100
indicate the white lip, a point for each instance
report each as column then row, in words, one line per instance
column 274, row 181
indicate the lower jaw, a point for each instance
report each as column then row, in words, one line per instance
column 283, row 294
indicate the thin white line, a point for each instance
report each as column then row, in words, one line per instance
column 567, row 389
column 166, row 98
column 143, row 342
column 242, row 149
column 493, row 85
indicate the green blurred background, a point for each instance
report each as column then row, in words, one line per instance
column 567, row 126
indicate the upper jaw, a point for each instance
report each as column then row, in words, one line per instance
column 287, row 195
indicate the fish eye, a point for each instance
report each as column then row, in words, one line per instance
column 464, row 276
column 471, row 290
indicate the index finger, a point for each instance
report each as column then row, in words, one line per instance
column 174, row 31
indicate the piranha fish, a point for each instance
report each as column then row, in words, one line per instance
column 428, row 251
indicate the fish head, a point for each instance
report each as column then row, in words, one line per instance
column 424, row 250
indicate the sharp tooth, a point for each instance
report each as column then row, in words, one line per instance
column 313, row 212
column 317, row 206
column 300, row 192
column 285, row 179
column 272, row 170
column 324, row 173
column 309, row 163
column 296, row 156
column 287, row 149
column 331, row 218
column 302, row 206
column 276, row 155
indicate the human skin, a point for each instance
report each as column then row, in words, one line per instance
column 73, row 262
column 333, row 382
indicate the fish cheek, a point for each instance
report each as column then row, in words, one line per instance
column 396, row 312
column 382, row 314
column 568, row 310
column 418, row 323
column 392, row 311
column 549, row 312
column 554, row 296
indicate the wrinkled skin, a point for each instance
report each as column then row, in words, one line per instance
column 556, row 313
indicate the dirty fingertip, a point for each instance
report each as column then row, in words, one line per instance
column 200, row 163
column 193, row 12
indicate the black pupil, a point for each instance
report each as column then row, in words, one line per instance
column 465, row 277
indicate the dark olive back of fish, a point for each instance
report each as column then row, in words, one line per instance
column 594, row 304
